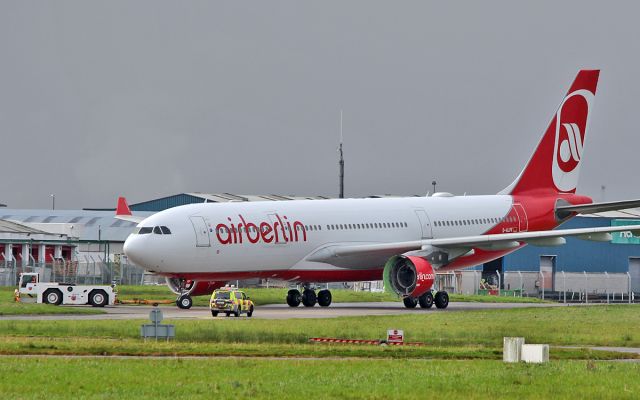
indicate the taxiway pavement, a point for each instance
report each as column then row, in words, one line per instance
column 277, row 311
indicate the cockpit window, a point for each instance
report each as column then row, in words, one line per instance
column 144, row 230
column 165, row 230
column 157, row 230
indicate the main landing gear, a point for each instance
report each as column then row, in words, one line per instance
column 308, row 298
column 427, row 300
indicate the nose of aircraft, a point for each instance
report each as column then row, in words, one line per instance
column 133, row 249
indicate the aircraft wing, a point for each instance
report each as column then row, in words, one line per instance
column 496, row 241
column 123, row 212
column 564, row 211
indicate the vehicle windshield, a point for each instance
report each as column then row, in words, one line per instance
column 223, row 295
column 28, row 279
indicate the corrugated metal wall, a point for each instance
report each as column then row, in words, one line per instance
column 577, row 255
column 166, row 202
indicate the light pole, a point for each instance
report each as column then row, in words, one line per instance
column 341, row 162
column 434, row 185
column 53, row 201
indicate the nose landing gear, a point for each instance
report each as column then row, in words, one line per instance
column 184, row 301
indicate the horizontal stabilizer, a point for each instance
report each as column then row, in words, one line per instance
column 566, row 211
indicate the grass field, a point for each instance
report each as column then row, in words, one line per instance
column 261, row 296
column 60, row 378
column 461, row 358
column 86, row 346
column 595, row 325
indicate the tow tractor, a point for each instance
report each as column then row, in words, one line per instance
column 64, row 293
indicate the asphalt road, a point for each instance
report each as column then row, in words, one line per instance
column 278, row 311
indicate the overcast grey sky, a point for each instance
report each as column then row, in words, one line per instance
column 152, row 98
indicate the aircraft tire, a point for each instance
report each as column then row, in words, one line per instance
column 410, row 302
column 324, row 298
column 184, row 302
column 309, row 298
column 52, row 296
column 426, row 300
column 294, row 298
column 98, row 298
column 442, row 299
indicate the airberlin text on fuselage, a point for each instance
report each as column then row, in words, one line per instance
column 279, row 231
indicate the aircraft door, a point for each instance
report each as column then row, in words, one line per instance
column 548, row 271
column 201, row 230
column 523, row 222
column 425, row 224
column 279, row 236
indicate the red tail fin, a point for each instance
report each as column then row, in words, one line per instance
column 555, row 165
column 123, row 207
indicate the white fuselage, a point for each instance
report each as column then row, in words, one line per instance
column 211, row 239
column 352, row 239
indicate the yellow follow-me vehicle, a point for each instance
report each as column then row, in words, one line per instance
column 230, row 300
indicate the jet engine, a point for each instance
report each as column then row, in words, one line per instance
column 194, row 288
column 408, row 276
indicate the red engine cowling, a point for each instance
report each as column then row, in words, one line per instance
column 194, row 288
column 408, row 276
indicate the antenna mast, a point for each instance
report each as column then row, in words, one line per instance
column 341, row 162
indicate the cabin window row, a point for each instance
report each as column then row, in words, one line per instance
column 476, row 221
column 371, row 225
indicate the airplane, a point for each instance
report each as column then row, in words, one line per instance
column 405, row 241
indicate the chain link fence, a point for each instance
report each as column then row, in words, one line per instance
column 568, row 287
column 561, row 286
column 90, row 271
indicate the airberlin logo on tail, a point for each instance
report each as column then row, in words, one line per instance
column 571, row 125
column 571, row 149
column 279, row 231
